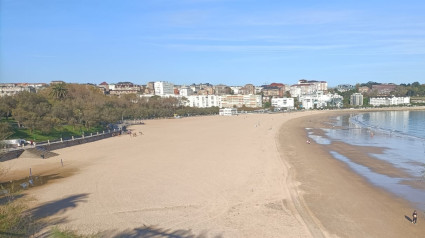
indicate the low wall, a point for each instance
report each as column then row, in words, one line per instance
column 77, row 141
column 12, row 154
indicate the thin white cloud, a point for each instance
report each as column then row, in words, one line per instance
column 287, row 18
column 42, row 56
column 253, row 48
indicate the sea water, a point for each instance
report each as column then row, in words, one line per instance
column 401, row 134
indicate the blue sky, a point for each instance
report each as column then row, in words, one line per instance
column 234, row 42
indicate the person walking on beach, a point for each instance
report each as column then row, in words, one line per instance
column 415, row 217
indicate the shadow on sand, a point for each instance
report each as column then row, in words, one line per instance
column 34, row 221
column 58, row 206
column 10, row 198
column 152, row 231
column 408, row 218
column 40, row 221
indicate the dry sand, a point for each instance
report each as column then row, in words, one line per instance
column 241, row 176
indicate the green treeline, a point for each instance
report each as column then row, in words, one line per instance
column 77, row 107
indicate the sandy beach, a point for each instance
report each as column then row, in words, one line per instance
column 241, row 176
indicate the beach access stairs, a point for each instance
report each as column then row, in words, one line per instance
column 40, row 152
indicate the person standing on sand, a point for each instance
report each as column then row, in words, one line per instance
column 415, row 217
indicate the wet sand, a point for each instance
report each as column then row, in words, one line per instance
column 240, row 176
column 344, row 203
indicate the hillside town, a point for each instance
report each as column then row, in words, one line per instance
column 305, row 94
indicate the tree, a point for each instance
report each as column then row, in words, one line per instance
column 6, row 130
column 59, row 91
column 7, row 103
column 31, row 110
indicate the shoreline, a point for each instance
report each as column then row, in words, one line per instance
column 344, row 202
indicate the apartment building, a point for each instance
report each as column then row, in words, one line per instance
column 203, row 101
column 185, row 91
column 356, row 99
column 389, row 101
column 248, row 89
column 231, row 101
column 10, row 89
column 320, row 100
column 163, row 88
column 283, row 103
column 123, row 88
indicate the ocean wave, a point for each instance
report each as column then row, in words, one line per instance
column 358, row 121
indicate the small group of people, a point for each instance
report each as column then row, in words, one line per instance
column 134, row 134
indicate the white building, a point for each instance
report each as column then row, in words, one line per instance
column 283, row 103
column 307, row 102
column 306, row 87
column 228, row 111
column 163, row 88
column 297, row 90
column 185, row 91
column 10, row 89
column 203, row 101
column 320, row 100
column 389, row 101
column 236, row 89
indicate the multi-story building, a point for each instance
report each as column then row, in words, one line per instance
column 104, row 87
column 389, row 101
column 203, row 101
column 248, row 89
column 320, row 100
column 236, row 89
column 185, row 91
column 221, row 89
column 163, row 88
column 356, row 99
column 123, row 88
column 273, row 90
column 258, row 89
column 151, row 86
column 10, row 89
column 270, row 91
column 283, row 103
column 319, row 85
column 297, row 90
column 231, row 101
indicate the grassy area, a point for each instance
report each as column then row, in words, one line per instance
column 64, row 132
column 16, row 222
column 57, row 233
column 13, row 220
column 57, row 133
